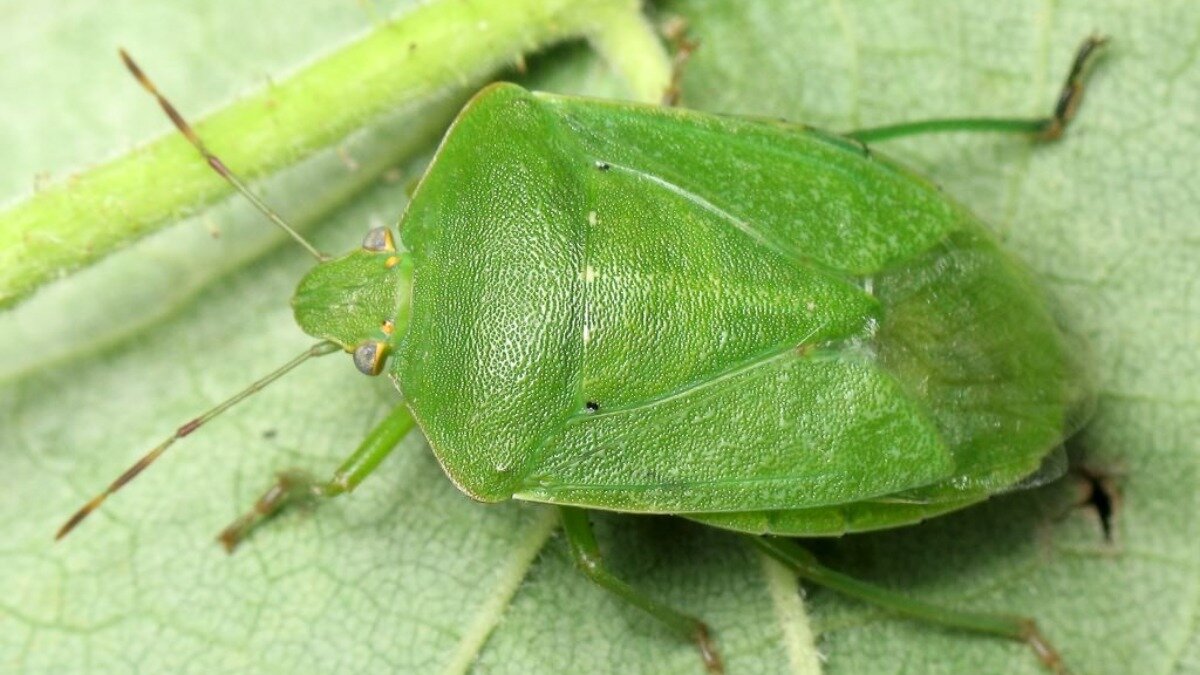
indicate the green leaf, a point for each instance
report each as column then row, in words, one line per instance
column 407, row 574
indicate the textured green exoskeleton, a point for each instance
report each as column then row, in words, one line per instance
column 784, row 333
column 751, row 324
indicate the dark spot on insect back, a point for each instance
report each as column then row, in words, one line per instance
column 592, row 406
column 602, row 166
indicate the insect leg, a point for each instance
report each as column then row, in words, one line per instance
column 292, row 486
column 586, row 554
column 676, row 33
column 1043, row 129
column 806, row 566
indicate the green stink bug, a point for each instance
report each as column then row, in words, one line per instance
column 788, row 335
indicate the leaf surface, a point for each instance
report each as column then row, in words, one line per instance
column 407, row 574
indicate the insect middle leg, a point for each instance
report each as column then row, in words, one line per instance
column 1042, row 128
column 805, row 565
column 293, row 485
column 586, row 554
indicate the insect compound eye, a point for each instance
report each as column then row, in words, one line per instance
column 379, row 239
column 370, row 356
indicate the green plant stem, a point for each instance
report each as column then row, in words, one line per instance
column 430, row 54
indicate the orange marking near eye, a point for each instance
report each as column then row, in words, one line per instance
column 391, row 262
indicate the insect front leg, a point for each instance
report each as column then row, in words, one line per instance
column 292, row 486
column 1043, row 128
column 806, row 566
column 586, row 554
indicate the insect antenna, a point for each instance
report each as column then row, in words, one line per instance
column 214, row 161
column 319, row 349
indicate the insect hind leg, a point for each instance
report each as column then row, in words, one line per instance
column 1041, row 128
column 676, row 33
column 586, row 554
column 805, row 565
column 292, row 487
